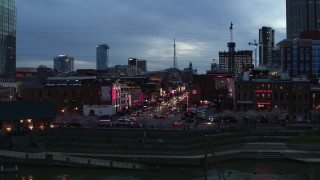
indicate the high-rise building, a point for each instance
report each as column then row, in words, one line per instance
column 301, row 57
column 64, row 63
column 138, row 63
column 266, row 44
column 242, row 60
column 7, row 40
column 102, row 56
column 302, row 15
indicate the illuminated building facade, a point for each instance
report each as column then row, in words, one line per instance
column 242, row 60
column 272, row 92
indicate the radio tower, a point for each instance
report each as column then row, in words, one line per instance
column 175, row 65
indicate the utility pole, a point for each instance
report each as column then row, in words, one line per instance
column 255, row 44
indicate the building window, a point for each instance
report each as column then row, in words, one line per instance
column 275, row 96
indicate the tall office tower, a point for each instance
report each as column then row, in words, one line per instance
column 7, row 40
column 301, row 57
column 302, row 15
column 138, row 63
column 63, row 63
column 102, row 56
column 266, row 42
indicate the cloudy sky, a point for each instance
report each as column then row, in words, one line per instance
column 142, row 29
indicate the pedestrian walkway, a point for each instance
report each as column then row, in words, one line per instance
column 249, row 150
column 71, row 159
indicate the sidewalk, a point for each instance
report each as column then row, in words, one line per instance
column 98, row 160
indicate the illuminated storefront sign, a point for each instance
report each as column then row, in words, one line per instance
column 263, row 91
column 263, row 103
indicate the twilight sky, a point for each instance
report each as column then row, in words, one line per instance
column 141, row 28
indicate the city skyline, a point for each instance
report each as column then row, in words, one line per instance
column 143, row 29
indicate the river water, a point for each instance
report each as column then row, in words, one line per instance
column 233, row 170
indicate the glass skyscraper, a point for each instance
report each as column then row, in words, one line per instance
column 102, row 56
column 7, row 40
column 302, row 15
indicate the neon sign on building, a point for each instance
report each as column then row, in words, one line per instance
column 263, row 91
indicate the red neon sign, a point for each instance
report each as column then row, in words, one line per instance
column 263, row 103
column 263, row 91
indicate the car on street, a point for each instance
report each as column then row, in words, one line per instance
column 177, row 123
column 104, row 123
column 126, row 121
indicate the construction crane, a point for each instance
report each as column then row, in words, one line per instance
column 231, row 33
column 255, row 44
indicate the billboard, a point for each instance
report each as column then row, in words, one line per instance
column 106, row 93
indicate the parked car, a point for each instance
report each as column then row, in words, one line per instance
column 177, row 123
column 105, row 123
column 126, row 121
column 73, row 125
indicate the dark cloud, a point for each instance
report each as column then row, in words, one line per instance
column 140, row 28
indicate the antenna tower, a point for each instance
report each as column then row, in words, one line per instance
column 175, row 65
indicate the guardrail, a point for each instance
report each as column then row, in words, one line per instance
column 70, row 160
